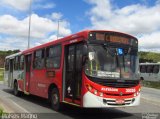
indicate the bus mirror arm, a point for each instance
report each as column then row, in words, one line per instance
column 84, row 59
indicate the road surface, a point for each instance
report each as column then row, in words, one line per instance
column 33, row 104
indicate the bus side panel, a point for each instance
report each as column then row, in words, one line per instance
column 38, row 83
column 6, row 77
column 150, row 71
column 33, row 84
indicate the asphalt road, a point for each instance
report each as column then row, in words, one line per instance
column 33, row 104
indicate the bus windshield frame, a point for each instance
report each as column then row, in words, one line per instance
column 123, row 58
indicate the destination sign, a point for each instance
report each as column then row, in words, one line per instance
column 112, row 38
column 118, row 39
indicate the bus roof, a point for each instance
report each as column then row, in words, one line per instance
column 56, row 41
column 70, row 37
column 149, row 63
column 13, row 55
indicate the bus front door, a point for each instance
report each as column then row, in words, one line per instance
column 73, row 73
column 28, row 59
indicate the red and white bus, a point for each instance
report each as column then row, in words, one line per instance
column 92, row 68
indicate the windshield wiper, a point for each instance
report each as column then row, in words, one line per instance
column 110, row 50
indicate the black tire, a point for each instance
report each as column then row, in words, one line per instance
column 55, row 100
column 15, row 89
column 142, row 79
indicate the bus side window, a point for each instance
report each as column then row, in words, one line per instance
column 6, row 65
column 49, row 58
column 16, row 63
column 79, row 57
column 149, row 68
column 39, row 58
column 21, row 65
column 53, row 56
column 156, row 69
column 143, row 69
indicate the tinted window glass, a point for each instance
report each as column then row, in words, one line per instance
column 16, row 62
column 156, row 69
column 53, row 56
column 39, row 59
column 21, row 62
column 7, row 65
column 143, row 69
column 149, row 69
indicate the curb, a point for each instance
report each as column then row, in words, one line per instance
column 5, row 108
column 10, row 106
column 149, row 99
column 146, row 95
column 1, row 82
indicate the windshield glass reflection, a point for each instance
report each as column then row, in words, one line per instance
column 106, row 62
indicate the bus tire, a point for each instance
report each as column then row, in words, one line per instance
column 55, row 99
column 142, row 79
column 15, row 89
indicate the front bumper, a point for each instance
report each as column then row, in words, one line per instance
column 92, row 101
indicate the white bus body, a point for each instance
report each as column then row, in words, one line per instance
column 150, row 71
column 11, row 72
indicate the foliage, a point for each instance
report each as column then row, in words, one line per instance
column 149, row 57
column 9, row 52
column 3, row 54
column 151, row 84
column 1, row 112
column 1, row 74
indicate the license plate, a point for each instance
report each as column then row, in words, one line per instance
column 120, row 101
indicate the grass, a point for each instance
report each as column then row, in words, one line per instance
column 151, row 84
column 1, row 74
column 1, row 112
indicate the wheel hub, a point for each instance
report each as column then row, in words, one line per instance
column 55, row 99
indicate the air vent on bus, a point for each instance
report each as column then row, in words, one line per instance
column 126, row 84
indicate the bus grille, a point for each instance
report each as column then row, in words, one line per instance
column 113, row 102
column 110, row 94
column 125, row 84
column 117, row 83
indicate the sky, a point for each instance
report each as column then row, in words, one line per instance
column 140, row 18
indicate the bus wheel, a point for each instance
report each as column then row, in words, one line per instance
column 55, row 99
column 141, row 78
column 15, row 90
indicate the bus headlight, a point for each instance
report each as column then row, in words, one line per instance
column 101, row 94
column 95, row 92
column 139, row 89
column 137, row 93
column 89, row 87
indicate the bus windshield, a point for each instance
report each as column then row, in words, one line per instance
column 107, row 62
